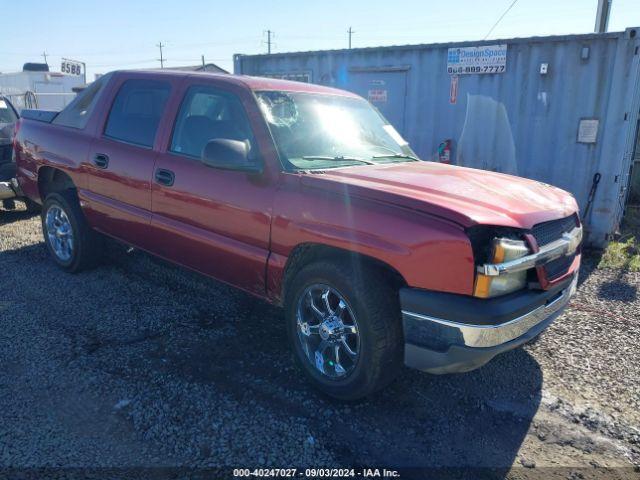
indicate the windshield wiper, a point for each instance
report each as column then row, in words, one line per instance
column 397, row 155
column 338, row 158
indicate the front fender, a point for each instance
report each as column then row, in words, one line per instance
column 429, row 252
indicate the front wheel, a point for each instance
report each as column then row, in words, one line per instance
column 345, row 331
column 73, row 245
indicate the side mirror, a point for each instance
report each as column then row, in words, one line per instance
column 227, row 154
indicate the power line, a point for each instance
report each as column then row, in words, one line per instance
column 141, row 62
column 124, row 62
column 138, row 51
column 161, row 59
column 236, row 41
column 500, row 19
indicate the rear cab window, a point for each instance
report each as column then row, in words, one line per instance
column 136, row 111
column 77, row 113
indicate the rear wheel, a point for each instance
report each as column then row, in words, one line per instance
column 345, row 332
column 73, row 245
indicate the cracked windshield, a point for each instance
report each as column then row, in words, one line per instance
column 329, row 131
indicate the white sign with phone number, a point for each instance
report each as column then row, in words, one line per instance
column 470, row 60
column 71, row 67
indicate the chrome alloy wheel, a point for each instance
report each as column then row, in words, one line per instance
column 328, row 331
column 59, row 233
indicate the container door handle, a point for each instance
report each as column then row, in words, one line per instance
column 101, row 160
column 165, row 177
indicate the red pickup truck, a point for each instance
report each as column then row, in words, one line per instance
column 305, row 196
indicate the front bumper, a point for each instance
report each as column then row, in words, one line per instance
column 447, row 333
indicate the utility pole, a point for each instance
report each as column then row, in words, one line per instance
column 269, row 32
column 160, row 45
column 602, row 15
column 350, row 32
column 44, row 54
column 203, row 66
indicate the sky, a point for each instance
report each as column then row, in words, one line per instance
column 114, row 34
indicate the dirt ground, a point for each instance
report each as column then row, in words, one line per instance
column 142, row 364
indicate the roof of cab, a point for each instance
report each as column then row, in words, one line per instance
column 252, row 83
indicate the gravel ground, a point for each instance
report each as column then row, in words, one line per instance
column 142, row 364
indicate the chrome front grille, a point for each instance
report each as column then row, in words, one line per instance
column 547, row 232
column 558, row 267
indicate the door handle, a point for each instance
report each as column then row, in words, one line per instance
column 101, row 160
column 165, row 177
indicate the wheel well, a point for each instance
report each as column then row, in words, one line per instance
column 53, row 180
column 307, row 253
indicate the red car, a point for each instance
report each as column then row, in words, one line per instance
column 305, row 196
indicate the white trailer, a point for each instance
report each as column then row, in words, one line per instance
column 39, row 89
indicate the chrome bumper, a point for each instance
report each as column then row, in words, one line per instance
column 566, row 245
column 483, row 336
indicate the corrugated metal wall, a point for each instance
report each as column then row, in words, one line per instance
column 520, row 121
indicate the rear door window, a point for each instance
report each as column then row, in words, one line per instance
column 136, row 111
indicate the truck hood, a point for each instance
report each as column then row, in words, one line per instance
column 464, row 195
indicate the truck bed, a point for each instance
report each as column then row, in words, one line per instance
column 46, row 116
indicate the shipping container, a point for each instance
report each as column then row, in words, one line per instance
column 562, row 109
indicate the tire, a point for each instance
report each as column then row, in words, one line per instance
column 86, row 245
column 372, row 302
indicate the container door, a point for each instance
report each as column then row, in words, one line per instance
column 385, row 89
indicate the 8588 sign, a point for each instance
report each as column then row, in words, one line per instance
column 73, row 68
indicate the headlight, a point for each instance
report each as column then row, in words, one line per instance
column 504, row 249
